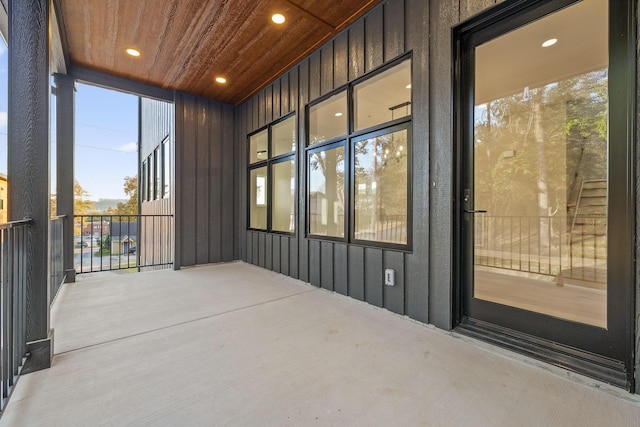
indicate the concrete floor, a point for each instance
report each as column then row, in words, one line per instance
column 233, row 344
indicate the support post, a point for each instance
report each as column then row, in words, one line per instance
column 65, row 155
column 28, row 162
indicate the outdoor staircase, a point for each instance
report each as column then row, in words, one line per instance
column 590, row 211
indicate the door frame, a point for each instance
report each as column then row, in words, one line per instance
column 617, row 370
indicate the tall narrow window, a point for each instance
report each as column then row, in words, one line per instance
column 166, row 174
column 359, row 159
column 258, row 198
column 157, row 187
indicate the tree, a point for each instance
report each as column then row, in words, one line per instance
column 130, row 207
column 81, row 203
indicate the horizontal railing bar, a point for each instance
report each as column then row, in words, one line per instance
column 14, row 224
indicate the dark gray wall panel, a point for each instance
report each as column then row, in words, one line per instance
column 356, row 50
column 373, row 278
column 444, row 15
column 262, row 250
column 268, row 104
column 326, row 265
column 314, row 75
column 275, row 253
column 393, row 29
column 187, row 144
column 276, row 100
column 341, row 59
column 284, row 255
column 256, row 249
column 268, row 251
column 202, row 182
column 229, row 192
column 262, row 109
column 417, row 262
column 284, row 94
column 356, row 272
column 255, row 113
column 326, row 68
column 468, row 8
column 340, row 268
column 394, row 295
column 249, row 248
column 293, row 258
column 373, row 29
column 294, row 88
column 315, row 271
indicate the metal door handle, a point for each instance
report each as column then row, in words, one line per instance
column 475, row 211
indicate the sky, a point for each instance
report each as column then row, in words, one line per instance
column 106, row 135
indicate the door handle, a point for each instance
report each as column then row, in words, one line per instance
column 475, row 211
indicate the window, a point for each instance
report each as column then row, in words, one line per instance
column 157, row 177
column 272, row 177
column 358, row 161
column 166, row 169
column 145, row 181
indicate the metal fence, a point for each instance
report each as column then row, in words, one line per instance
column 122, row 242
column 549, row 246
column 13, row 272
column 56, row 261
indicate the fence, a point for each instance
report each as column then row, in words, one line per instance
column 122, row 242
column 13, row 272
column 548, row 246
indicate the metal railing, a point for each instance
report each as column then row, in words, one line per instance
column 543, row 245
column 122, row 242
column 56, row 261
column 14, row 238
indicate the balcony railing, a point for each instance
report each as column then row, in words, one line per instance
column 13, row 272
column 122, row 242
column 56, row 261
column 548, row 246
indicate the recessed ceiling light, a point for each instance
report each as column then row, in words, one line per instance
column 549, row 42
column 408, row 86
column 133, row 52
column 278, row 18
column 338, row 114
column 221, row 80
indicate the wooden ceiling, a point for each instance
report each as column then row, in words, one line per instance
column 185, row 44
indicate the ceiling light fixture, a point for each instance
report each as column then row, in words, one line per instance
column 278, row 18
column 408, row 86
column 133, row 52
column 549, row 42
column 338, row 114
column 221, row 80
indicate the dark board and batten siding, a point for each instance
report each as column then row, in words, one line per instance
column 204, row 196
column 352, row 270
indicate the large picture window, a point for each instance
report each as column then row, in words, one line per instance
column 358, row 161
column 272, row 183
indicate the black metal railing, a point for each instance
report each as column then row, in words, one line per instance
column 14, row 258
column 56, row 261
column 549, row 246
column 122, row 242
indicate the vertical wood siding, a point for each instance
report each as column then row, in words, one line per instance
column 205, row 203
column 388, row 31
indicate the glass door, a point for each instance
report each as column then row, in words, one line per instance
column 539, row 175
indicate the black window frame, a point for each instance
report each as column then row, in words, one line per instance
column 348, row 140
column 268, row 162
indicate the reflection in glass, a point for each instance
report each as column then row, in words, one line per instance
column 328, row 119
column 381, row 188
column 384, row 97
column 258, row 146
column 326, row 192
column 283, row 137
column 258, row 198
column 540, row 167
column 283, row 196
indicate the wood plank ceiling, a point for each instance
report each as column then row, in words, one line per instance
column 185, row 44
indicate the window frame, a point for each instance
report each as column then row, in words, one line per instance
column 348, row 141
column 288, row 156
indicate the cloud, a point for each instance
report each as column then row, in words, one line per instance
column 130, row 147
column 3, row 119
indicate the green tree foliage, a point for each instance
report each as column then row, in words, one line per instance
column 130, row 207
column 81, row 203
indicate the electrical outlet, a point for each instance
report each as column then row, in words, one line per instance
column 389, row 277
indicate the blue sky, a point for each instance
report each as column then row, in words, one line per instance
column 106, row 133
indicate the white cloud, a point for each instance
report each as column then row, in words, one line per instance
column 130, row 147
column 3, row 119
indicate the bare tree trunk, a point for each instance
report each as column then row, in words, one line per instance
column 543, row 191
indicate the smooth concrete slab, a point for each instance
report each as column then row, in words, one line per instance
column 236, row 345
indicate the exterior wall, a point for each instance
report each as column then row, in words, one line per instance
column 204, row 194
column 3, row 198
